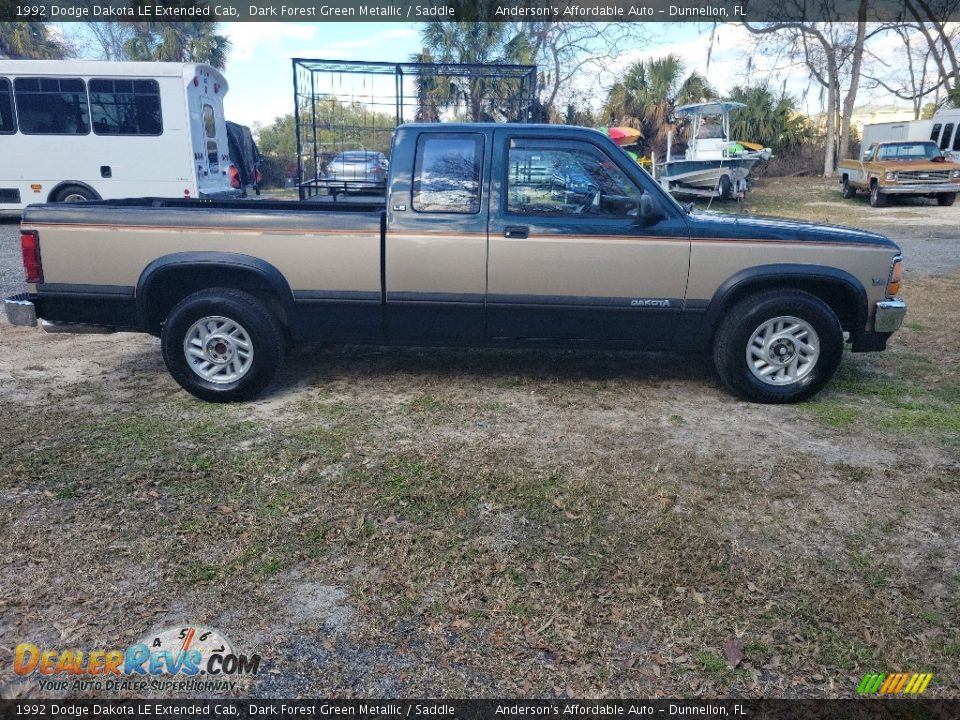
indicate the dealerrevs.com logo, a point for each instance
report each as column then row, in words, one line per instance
column 188, row 658
column 894, row 684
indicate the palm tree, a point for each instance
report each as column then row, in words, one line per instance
column 474, row 43
column 179, row 42
column 30, row 41
column 769, row 119
column 648, row 94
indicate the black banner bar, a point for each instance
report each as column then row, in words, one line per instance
column 755, row 11
column 227, row 709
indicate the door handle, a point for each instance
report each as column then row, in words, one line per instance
column 516, row 232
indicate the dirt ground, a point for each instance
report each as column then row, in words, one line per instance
column 480, row 523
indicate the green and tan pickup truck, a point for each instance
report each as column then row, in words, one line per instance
column 904, row 168
column 496, row 235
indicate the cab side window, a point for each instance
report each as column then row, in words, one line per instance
column 7, row 123
column 446, row 173
column 578, row 180
column 52, row 106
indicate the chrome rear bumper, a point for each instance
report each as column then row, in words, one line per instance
column 20, row 310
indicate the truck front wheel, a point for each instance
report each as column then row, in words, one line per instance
column 222, row 345
column 877, row 198
column 778, row 347
column 946, row 199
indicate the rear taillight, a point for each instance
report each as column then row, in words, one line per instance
column 234, row 177
column 30, row 244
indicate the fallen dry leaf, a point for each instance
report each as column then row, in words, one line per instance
column 733, row 650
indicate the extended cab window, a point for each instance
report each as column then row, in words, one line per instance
column 446, row 173
column 125, row 107
column 7, row 123
column 577, row 180
column 52, row 106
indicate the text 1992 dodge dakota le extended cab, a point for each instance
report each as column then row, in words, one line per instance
column 489, row 235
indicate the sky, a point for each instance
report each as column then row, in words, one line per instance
column 261, row 87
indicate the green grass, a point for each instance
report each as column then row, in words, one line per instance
column 712, row 664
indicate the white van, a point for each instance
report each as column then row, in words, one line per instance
column 74, row 130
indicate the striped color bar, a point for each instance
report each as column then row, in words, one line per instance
column 894, row 684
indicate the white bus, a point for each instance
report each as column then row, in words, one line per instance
column 88, row 130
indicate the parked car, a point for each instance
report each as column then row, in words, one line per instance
column 357, row 170
column 460, row 251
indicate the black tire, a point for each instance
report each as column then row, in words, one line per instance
column 946, row 199
column 877, row 198
column 263, row 333
column 74, row 193
column 847, row 191
column 744, row 319
column 726, row 187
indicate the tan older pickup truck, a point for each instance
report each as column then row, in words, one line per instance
column 502, row 235
column 906, row 168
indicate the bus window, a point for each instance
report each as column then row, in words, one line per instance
column 945, row 140
column 956, row 140
column 125, row 107
column 935, row 132
column 52, row 106
column 7, row 123
column 209, row 121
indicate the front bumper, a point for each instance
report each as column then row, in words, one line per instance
column 920, row 189
column 889, row 315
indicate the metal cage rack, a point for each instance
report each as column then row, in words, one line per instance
column 352, row 107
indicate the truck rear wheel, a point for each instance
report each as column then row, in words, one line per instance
column 877, row 198
column 946, row 199
column 222, row 345
column 848, row 190
column 778, row 347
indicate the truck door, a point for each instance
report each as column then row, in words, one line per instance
column 435, row 248
column 569, row 259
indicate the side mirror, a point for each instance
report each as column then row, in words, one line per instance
column 650, row 211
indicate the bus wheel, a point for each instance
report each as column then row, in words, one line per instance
column 74, row 193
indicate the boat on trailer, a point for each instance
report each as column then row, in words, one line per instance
column 712, row 164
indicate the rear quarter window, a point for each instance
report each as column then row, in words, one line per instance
column 446, row 174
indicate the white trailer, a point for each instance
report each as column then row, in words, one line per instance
column 88, row 130
column 943, row 129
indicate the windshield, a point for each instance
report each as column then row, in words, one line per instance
column 908, row 151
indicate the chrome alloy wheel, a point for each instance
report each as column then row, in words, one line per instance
column 218, row 349
column 783, row 350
